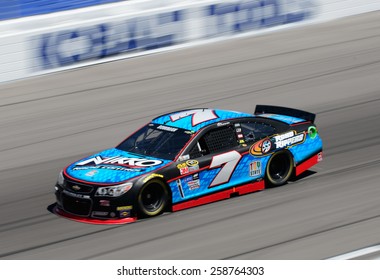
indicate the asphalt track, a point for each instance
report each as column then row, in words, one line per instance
column 332, row 69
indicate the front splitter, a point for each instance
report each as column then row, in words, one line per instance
column 87, row 220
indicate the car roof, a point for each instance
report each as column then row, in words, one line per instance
column 196, row 119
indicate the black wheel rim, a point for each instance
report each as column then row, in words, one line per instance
column 279, row 168
column 152, row 198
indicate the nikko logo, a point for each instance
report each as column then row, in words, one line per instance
column 120, row 161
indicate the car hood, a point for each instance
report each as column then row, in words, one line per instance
column 113, row 166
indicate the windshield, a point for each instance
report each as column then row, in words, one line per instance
column 156, row 140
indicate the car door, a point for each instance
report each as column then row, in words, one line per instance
column 212, row 164
column 219, row 158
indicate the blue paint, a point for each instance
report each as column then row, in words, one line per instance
column 22, row 8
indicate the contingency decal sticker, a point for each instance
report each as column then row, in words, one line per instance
column 269, row 145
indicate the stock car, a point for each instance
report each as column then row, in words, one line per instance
column 188, row 158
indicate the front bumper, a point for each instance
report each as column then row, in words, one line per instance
column 58, row 211
column 85, row 207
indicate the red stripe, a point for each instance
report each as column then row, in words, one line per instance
column 252, row 187
column 295, row 124
column 87, row 220
column 307, row 164
column 244, row 189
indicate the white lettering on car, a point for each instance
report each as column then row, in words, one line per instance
column 119, row 160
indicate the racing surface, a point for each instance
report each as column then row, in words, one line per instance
column 332, row 69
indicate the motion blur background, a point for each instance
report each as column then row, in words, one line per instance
column 79, row 76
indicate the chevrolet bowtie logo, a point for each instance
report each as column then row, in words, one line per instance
column 75, row 188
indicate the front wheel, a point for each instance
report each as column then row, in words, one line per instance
column 279, row 168
column 152, row 199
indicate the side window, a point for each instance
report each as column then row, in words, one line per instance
column 215, row 140
column 254, row 131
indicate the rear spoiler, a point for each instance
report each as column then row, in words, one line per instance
column 269, row 109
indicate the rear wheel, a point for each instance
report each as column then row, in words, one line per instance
column 279, row 168
column 152, row 199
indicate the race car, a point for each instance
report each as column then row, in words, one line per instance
column 189, row 158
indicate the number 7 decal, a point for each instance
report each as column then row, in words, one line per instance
column 229, row 161
column 197, row 116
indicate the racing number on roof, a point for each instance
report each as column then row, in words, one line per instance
column 198, row 116
column 229, row 161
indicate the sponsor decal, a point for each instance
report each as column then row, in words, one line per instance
column 124, row 211
column 167, row 128
column 75, row 194
column 120, row 161
column 151, row 176
column 121, row 208
column 241, row 141
column 192, row 162
column 191, row 181
column 238, row 130
column 256, row 149
column 104, row 203
column 237, row 124
column 193, row 185
column 184, row 157
column 188, row 166
column 183, row 168
column 255, row 168
column 107, row 167
column 288, row 139
column 268, row 145
column 222, row 123
column 320, row 157
column 240, row 136
column 99, row 213
column 193, row 165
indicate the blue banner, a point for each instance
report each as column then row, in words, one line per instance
column 67, row 47
column 248, row 15
column 22, row 8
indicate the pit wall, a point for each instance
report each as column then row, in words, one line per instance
column 59, row 41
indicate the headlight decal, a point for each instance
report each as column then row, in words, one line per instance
column 61, row 179
column 114, row 191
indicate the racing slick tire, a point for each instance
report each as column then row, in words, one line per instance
column 279, row 168
column 152, row 199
